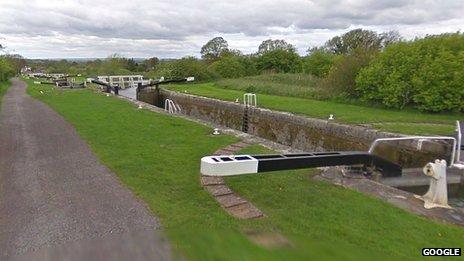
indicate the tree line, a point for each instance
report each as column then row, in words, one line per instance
column 362, row 66
column 357, row 66
column 10, row 64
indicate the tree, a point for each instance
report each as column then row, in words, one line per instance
column 131, row 65
column 114, row 64
column 212, row 50
column 6, row 71
column 151, row 63
column 280, row 61
column 390, row 37
column 313, row 49
column 341, row 79
column 273, row 45
column 185, row 67
column 318, row 63
column 352, row 40
column 424, row 73
column 229, row 67
column 230, row 52
column 16, row 61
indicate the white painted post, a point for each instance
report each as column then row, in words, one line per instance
column 459, row 142
column 437, row 195
column 171, row 107
column 249, row 99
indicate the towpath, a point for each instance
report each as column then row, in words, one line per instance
column 57, row 201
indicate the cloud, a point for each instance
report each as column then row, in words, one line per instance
column 172, row 28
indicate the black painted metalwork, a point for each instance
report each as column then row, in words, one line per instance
column 159, row 82
column 275, row 162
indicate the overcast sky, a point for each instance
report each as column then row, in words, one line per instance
column 176, row 28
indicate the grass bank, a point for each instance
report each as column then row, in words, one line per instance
column 399, row 121
column 282, row 84
column 3, row 88
column 157, row 157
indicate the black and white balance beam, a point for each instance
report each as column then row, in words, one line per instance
column 230, row 165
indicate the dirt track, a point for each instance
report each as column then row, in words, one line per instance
column 57, row 200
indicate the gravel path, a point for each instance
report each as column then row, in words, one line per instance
column 57, row 201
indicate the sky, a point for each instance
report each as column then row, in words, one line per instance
column 177, row 28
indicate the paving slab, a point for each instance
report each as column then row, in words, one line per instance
column 207, row 180
column 245, row 211
column 218, row 190
column 230, row 200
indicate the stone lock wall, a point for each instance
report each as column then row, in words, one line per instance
column 299, row 132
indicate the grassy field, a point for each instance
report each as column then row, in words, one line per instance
column 283, row 84
column 157, row 157
column 404, row 121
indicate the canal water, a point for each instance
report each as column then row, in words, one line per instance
column 128, row 92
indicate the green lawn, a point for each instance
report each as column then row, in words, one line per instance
column 384, row 119
column 158, row 156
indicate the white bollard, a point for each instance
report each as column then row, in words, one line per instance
column 437, row 195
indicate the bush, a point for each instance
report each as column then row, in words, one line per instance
column 185, row 67
column 280, row 61
column 318, row 63
column 229, row 67
column 249, row 63
column 425, row 73
column 341, row 79
column 6, row 70
column 234, row 66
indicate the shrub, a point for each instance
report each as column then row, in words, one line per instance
column 233, row 66
column 229, row 67
column 185, row 67
column 6, row 70
column 318, row 63
column 425, row 73
column 440, row 83
column 249, row 63
column 341, row 79
column 280, row 61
